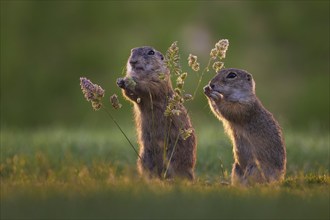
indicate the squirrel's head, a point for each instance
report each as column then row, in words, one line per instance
column 145, row 61
column 233, row 84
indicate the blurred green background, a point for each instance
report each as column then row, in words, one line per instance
column 47, row 45
column 60, row 159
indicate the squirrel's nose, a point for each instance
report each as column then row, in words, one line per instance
column 133, row 62
column 212, row 85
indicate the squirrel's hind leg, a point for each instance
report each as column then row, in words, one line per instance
column 237, row 175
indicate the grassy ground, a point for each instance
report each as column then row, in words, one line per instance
column 63, row 173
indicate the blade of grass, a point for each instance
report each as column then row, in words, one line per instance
column 172, row 153
column 118, row 126
column 206, row 69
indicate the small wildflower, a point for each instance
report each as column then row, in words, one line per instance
column 172, row 58
column 218, row 52
column 138, row 100
column 222, row 47
column 192, row 62
column 176, row 112
column 115, row 102
column 172, row 61
column 186, row 133
column 184, row 75
column 187, row 97
column 167, row 112
column 222, row 54
column 192, row 59
column 174, row 47
column 173, row 102
column 169, row 108
column 179, row 82
column 214, row 53
column 96, row 105
column 217, row 66
column 222, row 44
column 178, row 91
column 92, row 92
column 195, row 67
column 176, row 98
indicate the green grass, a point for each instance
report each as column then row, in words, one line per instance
column 66, row 174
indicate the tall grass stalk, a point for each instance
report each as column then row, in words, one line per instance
column 152, row 124
column 172, row 153
column 217, row 53
column 167, row 135
column 121, row 130
column 94, row 93
column 206, row 69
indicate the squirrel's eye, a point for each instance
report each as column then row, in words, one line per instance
column 151, row 52
column 231, row 75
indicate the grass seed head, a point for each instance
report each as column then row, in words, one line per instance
column 186, row 133
column 192, row 62
column 178, row 91
column 115, row 102
column 195, row 67
column 179, row 82
column 92, row 92
column 174, row 47
column 172, row 59
column 187, row 97
column 184, row 75
column 176, row 112
column 214, row 53
column 217, row 66
column 222, row 46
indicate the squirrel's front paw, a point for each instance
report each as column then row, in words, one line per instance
column 207, row 90
column 121, row 83
column 212, row 94
column 126, row 83
column 216, row 96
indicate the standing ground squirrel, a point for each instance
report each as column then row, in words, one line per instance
column 258, row 146
column 143, row 86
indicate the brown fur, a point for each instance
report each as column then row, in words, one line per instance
column 150, row 97
column 258, row 145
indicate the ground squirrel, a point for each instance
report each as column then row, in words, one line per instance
column 258, row 146
column 150, row 93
